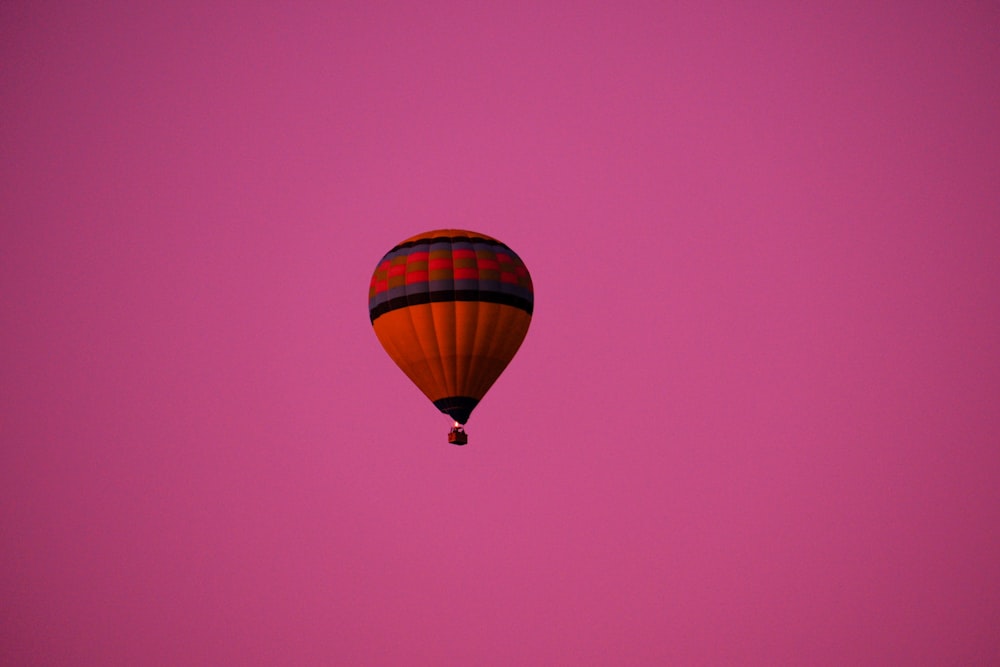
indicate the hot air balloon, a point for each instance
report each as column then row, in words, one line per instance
column 451, row 307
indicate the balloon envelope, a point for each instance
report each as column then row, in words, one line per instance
column 451, row 307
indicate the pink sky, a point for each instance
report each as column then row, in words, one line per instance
column 755, row 420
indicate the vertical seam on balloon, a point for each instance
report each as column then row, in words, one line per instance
column 447, row 379
column 453, row 388
column 466, row 387
column 493, row 326
column 460, row 383
column 440, row 336
column 432, row 368
column 478, row 283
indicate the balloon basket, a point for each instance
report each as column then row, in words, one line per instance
column 458, row 436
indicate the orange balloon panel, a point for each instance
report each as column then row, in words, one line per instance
column 456, row 349
column 451, row 308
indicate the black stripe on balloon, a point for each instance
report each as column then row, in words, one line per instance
column 450, row 295
column 451, row 239
column 457, row 407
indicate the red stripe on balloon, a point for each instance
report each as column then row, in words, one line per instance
column 416, row 277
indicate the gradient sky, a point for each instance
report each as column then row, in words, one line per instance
column 755, row 420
